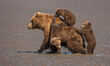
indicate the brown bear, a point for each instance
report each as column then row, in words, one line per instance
column 60, row 33
column 89, row 35
column 69, row 18
column 43, row 21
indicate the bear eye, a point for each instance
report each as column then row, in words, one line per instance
column 32, row 21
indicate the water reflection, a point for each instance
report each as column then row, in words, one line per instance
column 64, row 53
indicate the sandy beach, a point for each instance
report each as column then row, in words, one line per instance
column 18, row 43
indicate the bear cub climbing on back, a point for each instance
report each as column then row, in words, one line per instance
column 89, row 35
column 69, row 18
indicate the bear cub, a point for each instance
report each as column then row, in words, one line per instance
column 69, row 18
column 89, row 36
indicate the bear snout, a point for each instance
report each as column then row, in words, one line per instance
column 55, row 15
column 29, row 26
column 82, row 27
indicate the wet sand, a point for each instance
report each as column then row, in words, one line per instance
column 17, row 43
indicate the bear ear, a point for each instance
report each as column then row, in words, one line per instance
column 89, row 23
column 58, row 9
column 38, row 15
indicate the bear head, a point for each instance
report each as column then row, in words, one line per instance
column 37, row 21
column 42, row 21
column 86, row 25
column 58, row 12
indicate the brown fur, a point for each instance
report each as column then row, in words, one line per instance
column 89, row 35
column 76, row 47
column 43, row 21
column 60, row 33
column 69, row 18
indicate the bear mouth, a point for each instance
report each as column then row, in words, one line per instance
column 39, row 27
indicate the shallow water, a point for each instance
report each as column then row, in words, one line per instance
column 63, row 53
column 18, row 45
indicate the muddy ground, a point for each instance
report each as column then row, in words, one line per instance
column 18, row 44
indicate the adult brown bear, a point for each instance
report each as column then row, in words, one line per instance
column 43, row 21
column 61, row 33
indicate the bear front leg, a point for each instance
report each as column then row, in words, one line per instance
column 53, row 49
column 58, row 50
column 59, row 47
column 45, row 45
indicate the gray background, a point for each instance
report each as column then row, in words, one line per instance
column 14, row 35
